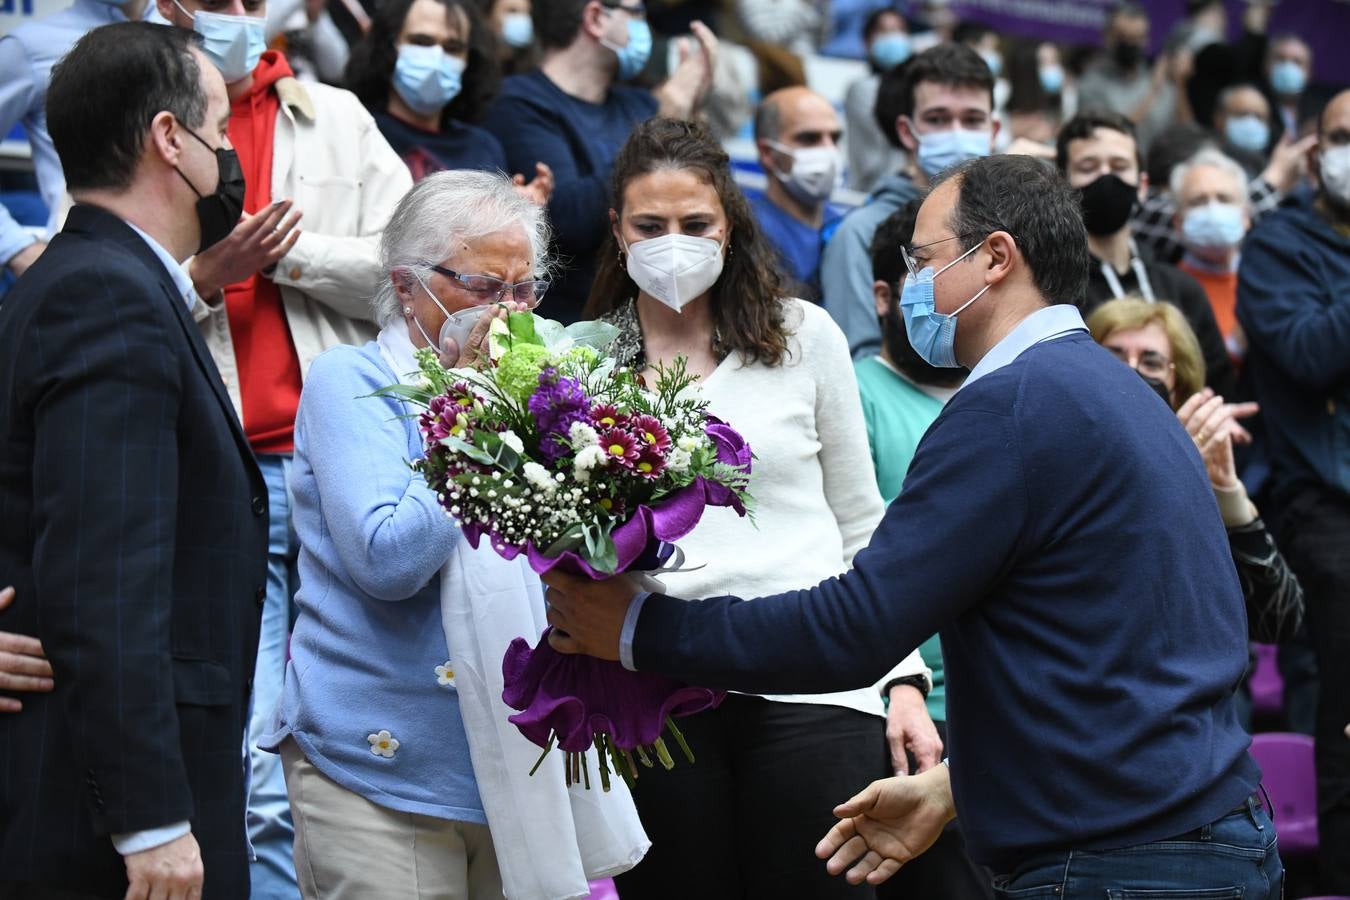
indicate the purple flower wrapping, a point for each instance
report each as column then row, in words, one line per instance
column 577, row 697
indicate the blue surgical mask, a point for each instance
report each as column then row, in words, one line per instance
column 1052, row 78
column 1247, row 133
column 633, row 56
column 931, row 334
column 518, row 30
column 1214, row 226
column 993, row 60
column 891, row 49
column 1287, row 78
column 941, row 150
column 233, row 43
column 427, row 78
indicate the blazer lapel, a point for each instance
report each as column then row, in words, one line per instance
column 100, row 222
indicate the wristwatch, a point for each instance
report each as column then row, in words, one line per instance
column 915, row 681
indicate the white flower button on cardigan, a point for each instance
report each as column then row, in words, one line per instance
column 383, row 744
column 445, row 676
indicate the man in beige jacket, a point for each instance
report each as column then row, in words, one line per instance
column 272, row 298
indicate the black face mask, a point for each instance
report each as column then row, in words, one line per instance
column 1159, row 387
column 1107, row 204
column 1127, row 55
column 218, row 212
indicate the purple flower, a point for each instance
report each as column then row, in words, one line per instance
column 557, row 404
column 732, row 450
column 577, row 697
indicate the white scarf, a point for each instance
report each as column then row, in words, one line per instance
column 549, row 839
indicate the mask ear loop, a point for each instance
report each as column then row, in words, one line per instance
column 418, row 322
column 956, row 312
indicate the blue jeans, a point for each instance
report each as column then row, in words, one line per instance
column 1233, row 857
column 269, row 813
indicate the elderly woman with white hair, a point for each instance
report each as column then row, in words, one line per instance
column 369, row 727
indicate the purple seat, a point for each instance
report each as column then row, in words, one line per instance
column 1289, row 777
column 604, row 890
column 1266, row 685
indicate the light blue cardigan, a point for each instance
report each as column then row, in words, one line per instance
column 369, row 634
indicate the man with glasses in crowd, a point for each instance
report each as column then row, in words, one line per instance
column 574, row 112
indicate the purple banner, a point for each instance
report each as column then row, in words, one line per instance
column 1324, row 24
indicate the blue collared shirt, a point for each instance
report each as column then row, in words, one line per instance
column 181, row 280
column 27, row 55
column 1042, row 325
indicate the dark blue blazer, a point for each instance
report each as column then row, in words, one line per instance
column 1058, row 529
column 133, row 522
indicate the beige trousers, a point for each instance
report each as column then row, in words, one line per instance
column 347, row 848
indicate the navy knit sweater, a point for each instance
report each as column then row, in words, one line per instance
column 1058, row 528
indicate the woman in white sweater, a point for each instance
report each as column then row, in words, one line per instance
column 687, row 274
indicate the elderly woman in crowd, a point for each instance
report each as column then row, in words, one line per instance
column 1155, row 340
column 370, row 731
column 686, row 273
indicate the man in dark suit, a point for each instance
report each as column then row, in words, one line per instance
column 133, row 518
column 1057, row 526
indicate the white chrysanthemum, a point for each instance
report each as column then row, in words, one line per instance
column 539, row 477
column 588, row 458
column 678, row 460
column 582, row 435
column 512, row 440
column 445, row 675
column 688, row 443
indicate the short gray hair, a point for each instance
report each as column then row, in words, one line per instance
column 444, row 209
column 1210, row 157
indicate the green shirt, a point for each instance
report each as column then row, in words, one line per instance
column 898, row 413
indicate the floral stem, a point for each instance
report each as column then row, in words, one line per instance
column 642, row 755
column 600, row 762
column 663, row 754
column 543, row 756
column 632, row 766
column 585, row 769
column 679, row 738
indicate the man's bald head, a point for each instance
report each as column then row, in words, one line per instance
column 788, row 111
column 1335, row 115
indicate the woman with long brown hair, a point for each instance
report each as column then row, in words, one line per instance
column 686, row 273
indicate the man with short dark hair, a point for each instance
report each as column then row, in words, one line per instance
column 133, row 517
column 1098, row 154
column 939, row 108
column 574, row 112
column 1057, row 526
column 797, row 135
column 1293, row 301
column 1288, row 73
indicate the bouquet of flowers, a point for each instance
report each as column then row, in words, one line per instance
column 554, row 451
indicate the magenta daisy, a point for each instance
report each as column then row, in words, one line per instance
column 651, row 434
column 607, row 415
column 651, row 462
column 619, row 446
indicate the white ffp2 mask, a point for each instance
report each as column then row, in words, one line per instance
column 814, row 175
column 675, row 268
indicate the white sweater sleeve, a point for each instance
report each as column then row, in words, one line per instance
column 850, row 479
column 845, row 460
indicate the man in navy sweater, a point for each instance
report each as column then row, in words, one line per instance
column 1057, row 528
column 573, row 113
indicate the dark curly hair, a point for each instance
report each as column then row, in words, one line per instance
column 370, row 69
column 748, row 298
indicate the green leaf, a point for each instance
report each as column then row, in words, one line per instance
column 477, row 454
column 607, row 559
column 522, row 328
column 571, row 539
column 549, row 331
column 497, row 450
column 593, row 334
